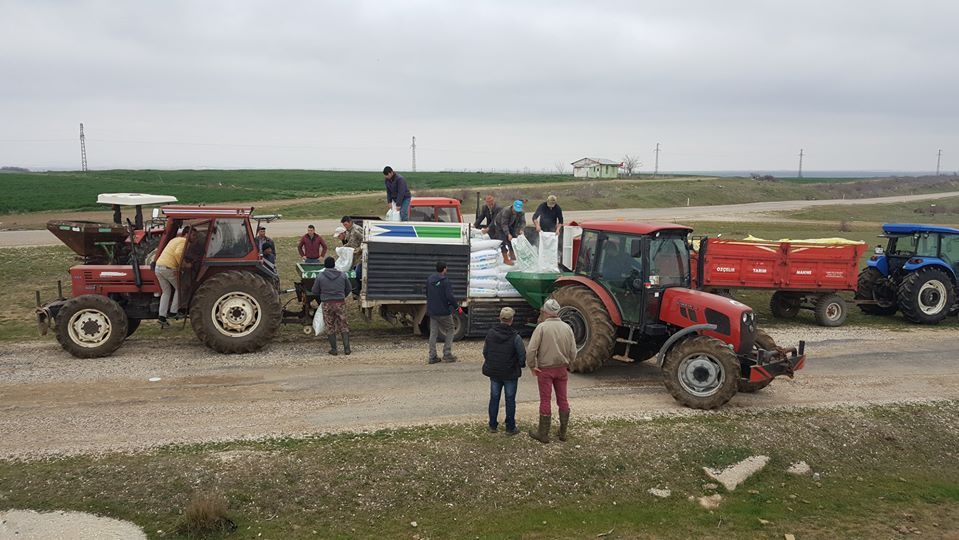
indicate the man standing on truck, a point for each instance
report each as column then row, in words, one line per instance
column 548, row 216
column 440, row 304
column 312, row 247
column 484, row 219
column 508, row 224
column 551, row 349
column 397, row 192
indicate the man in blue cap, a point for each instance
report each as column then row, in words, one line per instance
column 508, row 224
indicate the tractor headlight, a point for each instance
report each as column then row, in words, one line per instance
column 745, row 317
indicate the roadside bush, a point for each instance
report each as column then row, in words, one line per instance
column 206, row 513
column 844, row 226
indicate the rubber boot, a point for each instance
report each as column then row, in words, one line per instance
column 563, row 424
column 542, row 434
column 346, row 343
column 332, row 338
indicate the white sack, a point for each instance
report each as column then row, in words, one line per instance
column 548, row 260
column 318, row 325
column 483, row 245
column 482, row 293
column 344, row 258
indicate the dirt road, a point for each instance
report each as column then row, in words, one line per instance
column 53, row 403
column 729, row 212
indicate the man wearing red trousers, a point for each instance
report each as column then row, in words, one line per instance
column 550, row 351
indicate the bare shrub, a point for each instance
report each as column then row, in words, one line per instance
column 206, row 513
column 844, row 226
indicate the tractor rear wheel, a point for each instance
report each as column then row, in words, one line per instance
column 831, row 310
column 592, row 327
column 701, row 372
column 926, row 296
column 235, row 312
column 91, row 326
column 871, row 286
column 763, row 341
column 132, row 325
column 784, row 305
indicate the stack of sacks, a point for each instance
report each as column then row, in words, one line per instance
column 484, row 275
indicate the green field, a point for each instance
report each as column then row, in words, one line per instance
column 35, row 192
column 461, row 482
column 940, row 212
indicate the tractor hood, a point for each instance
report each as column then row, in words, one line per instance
column 735, row 322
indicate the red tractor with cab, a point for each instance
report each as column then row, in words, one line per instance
column 628, row 297
column 231, row 292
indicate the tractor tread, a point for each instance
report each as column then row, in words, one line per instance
column 602, row 332
column 216, row 286
column 718, row 349
column 118, row 319
column 908, row 296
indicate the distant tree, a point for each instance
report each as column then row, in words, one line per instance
column 560, row 167
column 631, row 164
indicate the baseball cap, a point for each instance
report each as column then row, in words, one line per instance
column 506, row 313
column 551, row 306
column 518, row 205
column 339, row 230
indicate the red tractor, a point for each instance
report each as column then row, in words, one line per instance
column 232, row 293
column 629, row 298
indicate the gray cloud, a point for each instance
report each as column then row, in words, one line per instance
column 496, row 84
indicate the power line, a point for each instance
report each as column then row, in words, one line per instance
column 83, row 149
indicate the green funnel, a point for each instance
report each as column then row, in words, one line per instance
column 534, row 287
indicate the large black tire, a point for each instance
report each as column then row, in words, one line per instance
column 91, row 326
column 595, row 334
column 831, row 310
column 763, row 341
column 784, row 305
column 869, row 287
column 235, row 312
column 926, row 296
column 701, row 372
column 132, row 325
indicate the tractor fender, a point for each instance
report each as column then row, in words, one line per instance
column 880, row 263
column 694, row 329
column 611, row 307
column 929, row 262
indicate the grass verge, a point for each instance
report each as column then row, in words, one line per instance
column 940, row 212
column 459, row 481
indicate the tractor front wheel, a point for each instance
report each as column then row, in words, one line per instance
column 926, row 296
column 593, row 329
column 765, row 342
column 701, row 372
column 91, row 326
column 235, row 312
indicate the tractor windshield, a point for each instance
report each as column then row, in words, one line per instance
column 669, row 261
column 923, row 245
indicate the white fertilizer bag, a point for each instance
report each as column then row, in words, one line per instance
column 548, row 260
column 318, row 325
column 526, row 255
column 482, row 293
column 484, row 245
column 483, row 255
column 344, row 258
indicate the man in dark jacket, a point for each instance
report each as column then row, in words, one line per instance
column 548, row 216
column 508, row 224
column 332, row 287
column 440, row 304
column 484, row 219
column 397, row 192
column 504, row 359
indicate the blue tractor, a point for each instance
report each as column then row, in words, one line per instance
column 915, row 274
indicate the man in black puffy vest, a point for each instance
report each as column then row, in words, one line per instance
column 504, row 359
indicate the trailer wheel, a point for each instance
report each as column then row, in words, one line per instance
column 460, row 326
column 701, row 372
column 784, row 305
column 763, row 341
column 235, row 312
column 831, row 310
column 91, row 326
column 872, row 286
column 592, row 327
column 926, row 296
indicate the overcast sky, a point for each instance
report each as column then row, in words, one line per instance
column 859, row 84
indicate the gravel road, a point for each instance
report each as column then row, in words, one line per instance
column 52, row 403
column 728, row 212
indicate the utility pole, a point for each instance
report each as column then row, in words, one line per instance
column 656, row 167
column 83, row 149
column 938, row 161
column 801, row 152
column 414, row 153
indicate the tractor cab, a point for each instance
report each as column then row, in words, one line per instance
column 635, row 263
